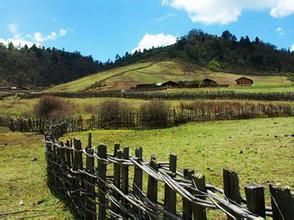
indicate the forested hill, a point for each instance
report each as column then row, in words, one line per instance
column 42, row 67
column 222, row 53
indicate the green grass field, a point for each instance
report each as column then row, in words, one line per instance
column 23, row 189
column 24, row 107
column 260, row 150
column 158, row 72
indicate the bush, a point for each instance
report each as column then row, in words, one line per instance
column 53, row 107
column 114, row 113
column 214, row 65
column 155, row 114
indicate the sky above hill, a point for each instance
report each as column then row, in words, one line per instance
column 104, row 28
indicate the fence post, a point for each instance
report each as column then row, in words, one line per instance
column 187, row 205
column 117, row 175
column 125, row 177
column 152, row 189
column 282, row 201
column 170, row 196
column 255, row 199
column 231, row 187
column 138, row 178
column 198, row 181
column 90, row 204
column 138, row 174
column 102, row 163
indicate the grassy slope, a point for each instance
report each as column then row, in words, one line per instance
column 156, row 72
column 22, row 180
column 266, row 144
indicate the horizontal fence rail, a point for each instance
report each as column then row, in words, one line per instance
column 117, row 185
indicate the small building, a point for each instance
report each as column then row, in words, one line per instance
column 169, row 84
column 244, row 81
column 208, row 83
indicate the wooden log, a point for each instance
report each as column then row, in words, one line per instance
column 170, row 196
column 125, row 178
column 187, row 205
column 282, row 201
column 117, row 176
column 138, row 174
column 102, row 153
column 198, row 181
column 90, row 205
column 255, row 199
column 152, row 190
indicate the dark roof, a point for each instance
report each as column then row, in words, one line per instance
column 169, row 83
column 208, row 80
column 243, row 77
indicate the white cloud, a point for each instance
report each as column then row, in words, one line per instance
column 280, row 31
column 62, row 32
column 155, row 40
column 20, row 40
column 283, row 8
column 292, row 48
column 228, row 11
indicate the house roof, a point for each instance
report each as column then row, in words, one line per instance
column 243, row 77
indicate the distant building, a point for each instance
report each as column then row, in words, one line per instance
column 208, row 83
column 244, row 81
column 169, row 84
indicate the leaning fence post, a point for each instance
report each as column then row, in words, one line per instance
column 138, row 177
column 89, row 182
column 282, row 201
column 198, row 181
column 138, row 174
column 125, row 176
column 231, row 187
column 170, row 196
column 117, row 175
column 152, row 189
column 102, row 163
column 187, row 205
column 255, row 199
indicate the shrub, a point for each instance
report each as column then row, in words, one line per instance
column 214, row 65
column 114, row 113
column 155, row 114
column 53, row 107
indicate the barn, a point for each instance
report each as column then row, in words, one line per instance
column 208, row 83
column 244, row 81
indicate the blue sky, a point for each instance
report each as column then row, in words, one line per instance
column 104, row 28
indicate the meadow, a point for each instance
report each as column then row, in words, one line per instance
column 23, row 189
column 253, row 148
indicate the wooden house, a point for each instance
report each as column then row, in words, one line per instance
column 208, row 83
column 169, row 84
column 244, row 81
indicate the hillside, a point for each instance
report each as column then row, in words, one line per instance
column 199, row 54
column 158, row 72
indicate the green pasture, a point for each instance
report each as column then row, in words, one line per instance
column 23, row 189
column 87, row 106
column 259, row 150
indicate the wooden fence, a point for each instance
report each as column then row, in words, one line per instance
column 189, row 113
column 117, row 185
column 185, row 95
